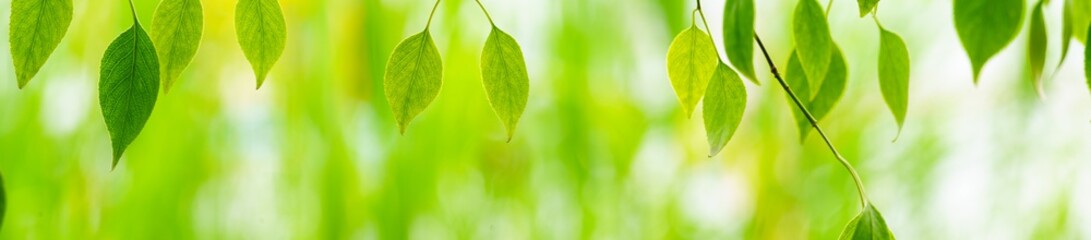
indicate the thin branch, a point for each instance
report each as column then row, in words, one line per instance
column 814, row 123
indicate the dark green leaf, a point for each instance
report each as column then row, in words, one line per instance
column 894, row 74
column 128, row 86
column 504, row 73
column 413, row 77
column 725, row 103
column 827, row 95
column 691, row 61
column 867, row 6
column 260, row 27
column 1037, row 45
column 869, row 225
column 176, row 31
column 739, row 36
column 985, row 27
column 813, row 40
column 1087, row 61
column 37, row 27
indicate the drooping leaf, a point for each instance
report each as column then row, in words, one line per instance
column 867, row 6
column 260, row 27
column 37, row 27
column 813, row 40
column 176, row 32
column 128, row 86
column 1066, row 33
column 725, row 102
column 691, row 61
column 869, row 225
column 739, row 36
column 504, row 73
column 985, row 27
column 413, row 77
column 894, row 74
column 1081, row 17
column 825, row 98
column 1036, row 45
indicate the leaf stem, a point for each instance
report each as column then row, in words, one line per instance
column 429, row 24
column 486, row 13
column 705, row 21
column 814, row 123
column 132, row 7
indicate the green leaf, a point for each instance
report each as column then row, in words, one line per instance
column 739, row 36
column 869, row 225
column 260, row 27
column 3, row 201
column 1066, row 32
column 1087, row 61
column 1081, row 16
column 894, row 74
column 37, row 27
column 827, row 95
column 813, row 40
column 867, row 6
column 128, row 86
column 176, row 32
column 504, row 73
column 413, row 77
column 1037, row 45
column 691, row 60
column 985, row 27
column 725, row 103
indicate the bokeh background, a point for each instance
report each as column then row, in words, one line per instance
column 602, row 152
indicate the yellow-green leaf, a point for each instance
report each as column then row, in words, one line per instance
column 1081, row 17
column 691, row 60
column 894, row 74
column 260, row 27
column 176, row 31
column 739, row 36
column 985, row 27
column 725, row 103
column 869, row 225
column 813, row 40
column 504, row 73
column 128, row 86
column 37, row 27
column 413, row 77
column 867, row 6
column 827, row 95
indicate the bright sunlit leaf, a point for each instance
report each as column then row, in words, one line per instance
column 1080, row 11
column 867, row 6
column 37, row 27
column 894, row 74
column 725, row 102
column 413, row 77
column 739, row 36
column 504, row 73
column 260, row 27
column 813, row 40
column 985, row 27
column 128, row 86
column 176, row 31
column 869, row 225
column 691, row 61
column 825, row 98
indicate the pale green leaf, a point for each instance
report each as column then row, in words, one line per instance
column 128, row 86
column 504, row 73
column 869, row 225
column 827, row 95
column 413, row 77
column 724, row 105
column 691, row 61
column 813, row 40
column 985, row 27
column 1036, row 45
column 894, row 74
column 37, row 27
column 260, row 27
column 867, row 6
column 176, row 31
column 739, row 36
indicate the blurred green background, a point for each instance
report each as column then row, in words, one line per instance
column 602, row 152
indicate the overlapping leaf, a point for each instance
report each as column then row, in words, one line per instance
column 262, row 33
column 128, row 86
column 894, row 74
column 176, row 32
column 413, row 77
column 825, row 98
column 724, row 105
column 504, row 73
column 691, row 61
column 813, row 40
column 37, row 27
column 985, row 27
column 739, row 36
